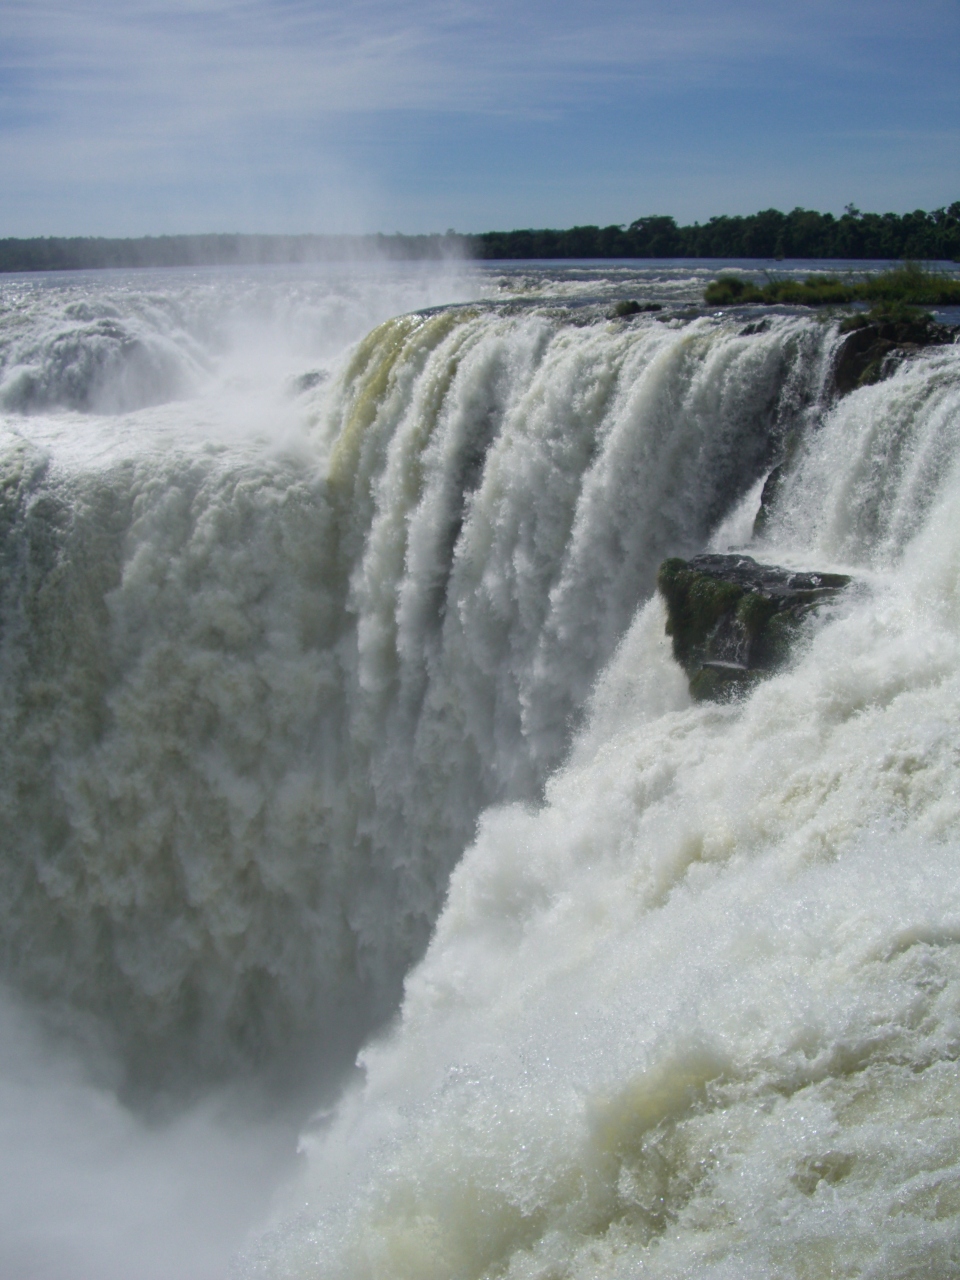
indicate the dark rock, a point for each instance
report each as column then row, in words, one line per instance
column 874, row 347
column 757, row 326
column 733, row 620
column 775, row 480
column 768, row 496
column 630, row 307
column 307, row 381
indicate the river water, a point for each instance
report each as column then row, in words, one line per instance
column 339, row 719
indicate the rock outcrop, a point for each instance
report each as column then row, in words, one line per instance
column 630, row 307
column 733, row 620
column 874, row 346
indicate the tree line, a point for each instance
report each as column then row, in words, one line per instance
column 802, row 233
column 59, row 253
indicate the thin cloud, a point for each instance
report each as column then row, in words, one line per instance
column 207, row 91
column 257, row 57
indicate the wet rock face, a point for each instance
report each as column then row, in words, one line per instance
column 733, row 620
column 873, row 348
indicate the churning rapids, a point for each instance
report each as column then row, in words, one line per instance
column 338, row 717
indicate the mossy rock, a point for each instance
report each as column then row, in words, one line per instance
column 630, row 307
column 720, row 682
column 696, row 602
column 733, row 620
column 876, row 341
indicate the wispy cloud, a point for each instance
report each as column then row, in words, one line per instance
column 276, row 57
column 99, row 91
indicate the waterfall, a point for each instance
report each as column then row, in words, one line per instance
column 255, row 705
column 275, row 654
column 697, row 1014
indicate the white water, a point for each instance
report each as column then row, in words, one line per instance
column 268, row 653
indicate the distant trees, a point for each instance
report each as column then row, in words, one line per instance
column 802, row 233
column 55, row 253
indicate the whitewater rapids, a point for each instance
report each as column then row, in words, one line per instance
column 337, row 711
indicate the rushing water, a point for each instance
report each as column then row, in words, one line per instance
column 338, row 715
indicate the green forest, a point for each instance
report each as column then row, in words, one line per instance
column 802, row 233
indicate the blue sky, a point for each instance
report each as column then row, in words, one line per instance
column 119, row 117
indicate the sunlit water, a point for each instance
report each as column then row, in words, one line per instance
column 338, row 716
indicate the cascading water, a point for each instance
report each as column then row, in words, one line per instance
column 691, row 1005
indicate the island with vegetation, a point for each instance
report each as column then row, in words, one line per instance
column 909, row 285
column 883, row 319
